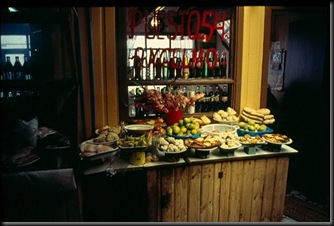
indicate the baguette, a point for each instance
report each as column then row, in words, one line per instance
column 247, row 119
column 264, row 111
column 253, row 117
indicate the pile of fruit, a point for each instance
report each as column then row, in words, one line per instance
column 184, row 127
column 252, row 126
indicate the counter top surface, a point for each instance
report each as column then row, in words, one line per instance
column 121, row 164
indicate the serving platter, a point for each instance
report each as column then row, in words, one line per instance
column 194, row 136
column 91, row 141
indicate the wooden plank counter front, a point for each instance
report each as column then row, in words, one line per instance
column 239, row 188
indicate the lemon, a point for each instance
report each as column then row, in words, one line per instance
column 251, row 123
column 186, row 120
column 197, row 125
column 176, row 129
column 183, row 129
column 194, row 131
column 181, row 122
column 242, row 125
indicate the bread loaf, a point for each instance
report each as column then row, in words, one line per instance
column 205, row 119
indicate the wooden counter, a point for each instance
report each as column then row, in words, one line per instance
column 240, row 188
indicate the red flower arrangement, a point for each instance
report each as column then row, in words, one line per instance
column 152, row 99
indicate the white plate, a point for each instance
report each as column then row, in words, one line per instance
column 230, row 149
column 173, row 153
column 138, row 128
column 270, row 142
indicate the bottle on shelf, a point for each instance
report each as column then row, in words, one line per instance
column 186, row 68
column 178, row 69
column 137, row 64
column 223, row 65
column 158, row 69
column 27, row 69
column 8, row 69
column 205, row 100
column 2, row 73
column 211, row 66
column 192, row 68
column 198, row 67
column 217, row 67
column 198, row 103
column 172, row 68
column 165, row 69
column 205, row 66
column 17, row 69
column 224, row 98
column 211, row 100
column 216, row 99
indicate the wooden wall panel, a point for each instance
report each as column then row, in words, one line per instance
column 181, row 194
column 167, row 194
column 257, row 191
column 280, row 188
column 246, row 191
column 194, row 204
column 235, row 191
column 225, row 192
column 268, row 191
column 216, row 191
column 207, row 192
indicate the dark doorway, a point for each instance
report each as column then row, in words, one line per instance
column 303, row 112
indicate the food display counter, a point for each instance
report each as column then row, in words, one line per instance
column 220, row 188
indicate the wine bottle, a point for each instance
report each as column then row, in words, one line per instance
column 211, row 66
column 217, row 99
column 138, row 66
column 217, row 67
column 224, row 98
column 8, row 69
column 205, row 100
column 211, row 99
column 192, row 69
column 17, row 69
column 223, row 65
column 27, row 69
column 158, row 69
column 178, row 69
column 198, row 103
column 171, row 68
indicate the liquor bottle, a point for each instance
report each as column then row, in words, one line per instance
column 158, row 69
column 217, row 67
column 171, row 68
column 138, row 66
column 211, row 66
column 8, row 69
column 217, row 99
column 211, row 100
column 186, row 68
column 17, row 69
column 224, row 98
column 165, row 68
column 198, row 67
column 198, row 103
column 205, row 100
column 223, row 65
column 192, row 69
column 27, row 69
column 205, row 67
column 178, row 69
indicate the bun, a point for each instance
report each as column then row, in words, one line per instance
column 264, row 111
